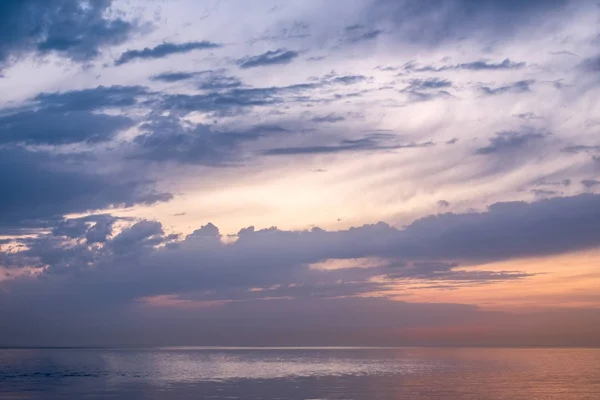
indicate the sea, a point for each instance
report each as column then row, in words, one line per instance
column 300, row 373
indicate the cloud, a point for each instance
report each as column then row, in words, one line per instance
column 173, row 76
column 591, row 64
column 206, row 80
column 506, row 64
column 528, row 116
column 509, row 141
column 329, row 118
column 432, row 83
column 94, row 228
column 143, row 235
column 164, row 50
column 590, row 183
column 359, row 33
column 70, row 117
column 427, row 89
column 167, row 138
column 147, row 262
column 345, row 79
column 372, row 142
column 443, row 204
column 482, row 65
column 581, row 149
column 75, row 29
column 56, row 127
column 217, row 80
column 515, row 87
column 233, row 100
column 36, row 186
column 486, row 21
column 271, row 57
column 92, row 99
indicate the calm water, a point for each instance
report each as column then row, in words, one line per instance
column 361, row 373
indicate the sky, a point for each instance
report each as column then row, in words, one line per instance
column 301, row 172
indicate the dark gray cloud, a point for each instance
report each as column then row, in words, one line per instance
column 482, row 65
column 359, row 33
column 167, row 138
column 40, row 186
column 590, row 183
column 37, row 186
column 591, row 64
column 92, row 99
column 70, row 117
column 528, row 116
column 515, row 87
column 470, row 66
column 510, row 141
column 581, row 149
column 142, row 236
column 443, row 203
column 373, row 142
column 56, row 127
column 206, row 80
column 94, row 228
column 427, row 89
column 329, row 118
column 75, row 29
column 425, row 84
column 271, row 57
column 173, row 76
column 217, row 80
column 164, row 50
column 222, row 96
column 486, row 20
column 235, row 100
column 345, row 79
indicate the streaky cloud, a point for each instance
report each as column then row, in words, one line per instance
column 173, row 76
column 515, row 87
column 581, row 149
column 271, row 57
column 506, row 64
column 164, row 50
column 368, row 143
column 510, row 141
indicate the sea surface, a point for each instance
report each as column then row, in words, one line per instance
column 300, row 373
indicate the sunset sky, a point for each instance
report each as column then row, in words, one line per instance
column 299, row 172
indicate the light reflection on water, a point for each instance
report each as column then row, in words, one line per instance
column 315, row 373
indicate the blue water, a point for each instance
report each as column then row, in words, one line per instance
column 316, row 373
